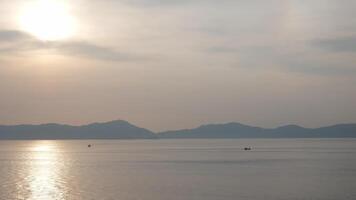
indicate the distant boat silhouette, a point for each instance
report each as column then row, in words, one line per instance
column 89, row 145
column 247, row 148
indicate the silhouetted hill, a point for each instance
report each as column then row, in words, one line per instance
column 229, row 130
column 237, row 130
column 118, row 129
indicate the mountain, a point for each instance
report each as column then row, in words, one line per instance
column 118, row 129
column 229, row 130
column 237, row 130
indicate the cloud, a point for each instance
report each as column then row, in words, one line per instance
column 344, row 44
column 222, row 49
column 86, row 49
column 320, row 67
column 171, row 2
column 275, row 57
column 13, row 35
column 12, row 41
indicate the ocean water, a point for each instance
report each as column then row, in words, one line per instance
column 211, row 169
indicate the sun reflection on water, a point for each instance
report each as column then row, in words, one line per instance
column 45, row 172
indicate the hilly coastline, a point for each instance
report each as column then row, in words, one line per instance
column 237, row 130
column 120, row 129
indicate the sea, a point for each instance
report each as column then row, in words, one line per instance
column 178, row 169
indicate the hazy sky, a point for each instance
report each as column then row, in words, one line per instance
column 168, row 64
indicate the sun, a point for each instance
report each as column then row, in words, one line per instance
column 47, row 20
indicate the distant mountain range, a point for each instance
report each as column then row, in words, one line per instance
column 120, row 129
column 237, row 130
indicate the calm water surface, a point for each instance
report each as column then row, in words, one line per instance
column 179, row 169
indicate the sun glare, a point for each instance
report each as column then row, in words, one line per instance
column 47, row 20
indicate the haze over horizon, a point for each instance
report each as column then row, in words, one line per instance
column 167, row 65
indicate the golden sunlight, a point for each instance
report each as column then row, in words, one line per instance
column 47, row 20
column 44, row 180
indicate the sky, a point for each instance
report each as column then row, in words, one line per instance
column 177, row 64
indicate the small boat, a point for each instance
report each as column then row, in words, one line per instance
column 247, row 148
column 89, row 145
